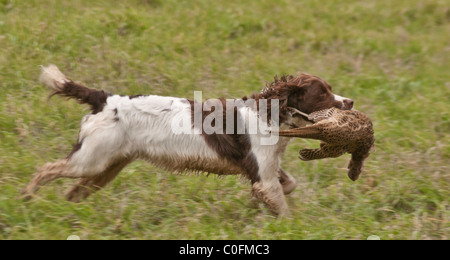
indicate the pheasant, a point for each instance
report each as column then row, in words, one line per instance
column 340, row 131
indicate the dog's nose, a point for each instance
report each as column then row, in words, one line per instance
column 348, row 103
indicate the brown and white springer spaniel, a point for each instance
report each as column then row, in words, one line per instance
column 122, row 129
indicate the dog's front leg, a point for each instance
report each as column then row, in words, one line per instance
column 287, row 181
column 271, row 193
column 269, row 190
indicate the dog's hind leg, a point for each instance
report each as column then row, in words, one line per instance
column 88, row 185
column 98, row 149
column 72, row 168
column 47, row 173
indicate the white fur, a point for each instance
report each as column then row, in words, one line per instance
column 342, row 99
column 53, row 77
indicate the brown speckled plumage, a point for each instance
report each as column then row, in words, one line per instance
column 341, row 131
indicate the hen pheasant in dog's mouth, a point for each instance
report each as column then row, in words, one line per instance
column 341, row 131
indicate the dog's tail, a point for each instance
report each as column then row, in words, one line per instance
column 61, row 85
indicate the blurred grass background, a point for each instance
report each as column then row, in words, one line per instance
column 391, row 57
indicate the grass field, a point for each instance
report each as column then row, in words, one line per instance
column 391, row 57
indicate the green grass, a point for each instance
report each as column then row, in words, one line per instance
column 391, row 57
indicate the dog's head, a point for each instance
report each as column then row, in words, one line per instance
column 306, row 93
column 309, row 93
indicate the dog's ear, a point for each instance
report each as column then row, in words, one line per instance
column 295, row 96
column 289, row 90
column 296, row 87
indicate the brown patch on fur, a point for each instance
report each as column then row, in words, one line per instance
column 136, row 96
column 116, row 115
column 93, row 97
column 233, row 147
